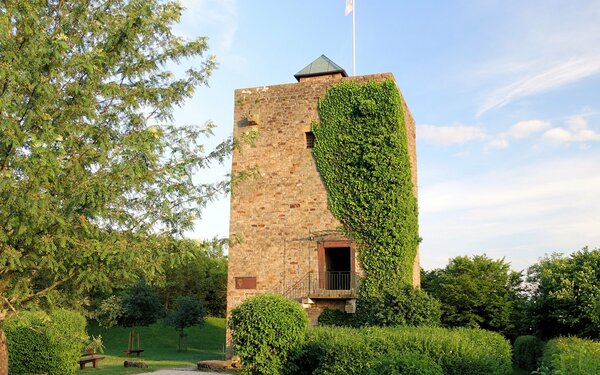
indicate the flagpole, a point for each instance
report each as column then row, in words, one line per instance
column 354, row 37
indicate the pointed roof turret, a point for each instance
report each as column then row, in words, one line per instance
column 320, row 67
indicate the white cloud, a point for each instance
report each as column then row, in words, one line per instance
column 538, row 82
column 218, row 15
column 577, row 123
column 446, row 135
column 520, row 130
column 557, row 135
column 524, row 129
column 520, row 212
column 499, row 143
column 578, row 131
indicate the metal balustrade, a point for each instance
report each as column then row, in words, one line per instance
column 331, row 284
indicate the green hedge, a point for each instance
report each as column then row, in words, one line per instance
column 572, row 356
column 407, row 363
column 335, row 350
column 332, row 317
column 528, row 352
column 45, row 343
column 265, row 330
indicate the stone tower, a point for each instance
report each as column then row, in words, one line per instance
column 283, row 238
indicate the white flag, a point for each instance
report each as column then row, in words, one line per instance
column 349, row 6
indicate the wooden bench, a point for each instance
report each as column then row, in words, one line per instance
column 131, row 351
column 90, row 358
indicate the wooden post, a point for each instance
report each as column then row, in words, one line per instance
column 130, row 340
column 3, row 354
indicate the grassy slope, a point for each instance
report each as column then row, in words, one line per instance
column 160, row 347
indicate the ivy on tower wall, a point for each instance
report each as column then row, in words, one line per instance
column 362, row 156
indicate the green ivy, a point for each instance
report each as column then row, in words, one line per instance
column 362, row 156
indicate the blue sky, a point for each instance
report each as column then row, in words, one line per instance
column 506, row 96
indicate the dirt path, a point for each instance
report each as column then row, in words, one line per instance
column 182, row 371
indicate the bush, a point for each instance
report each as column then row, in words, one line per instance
column 399, row 305
column 332, row 317
column 333, row 350
column 565, row 300
column 572, row 356
column 528, row 352
column 266, row 329
column 476, row 292
column 45, row 343
column 407, row 363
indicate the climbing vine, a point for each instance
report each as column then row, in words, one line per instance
column 362, row 156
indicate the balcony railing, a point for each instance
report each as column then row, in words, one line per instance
column 332, row 284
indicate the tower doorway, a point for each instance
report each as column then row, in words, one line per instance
column 336, row 265
column 337, row 268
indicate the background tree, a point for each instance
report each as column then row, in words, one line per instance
column 139, row 306
column 475, row 292
column 203, row 276
column 188, row 312
column 95, row 180
column 566, row 298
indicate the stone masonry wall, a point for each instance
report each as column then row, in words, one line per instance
column 276, row 215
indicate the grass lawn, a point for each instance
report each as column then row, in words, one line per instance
column 160, row 347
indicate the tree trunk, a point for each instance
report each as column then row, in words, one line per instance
column 3, row 354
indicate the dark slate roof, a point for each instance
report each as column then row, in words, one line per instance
column 321, row 66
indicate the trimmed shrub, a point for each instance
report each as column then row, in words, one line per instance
column 332, row 317
column 266, row 329
column 399, row 305
column 572, row 356
column 45, row 343
column 334, row 350
column 407, row 363
column 528, row 352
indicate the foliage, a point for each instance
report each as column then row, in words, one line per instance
column 362, row 156
column 109, row 311
column 45, row 343
column 572, row 356
column 188, row 312
column 566, row 299
column 407, row 363
column 95, row 181
column 141, row 306
column 266, row 329
column 339, row 350
column 528, row 352
column 399, row 306
column 476, row 292
column 204, row 276
column 332, row 317
column 94, row 345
